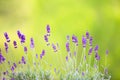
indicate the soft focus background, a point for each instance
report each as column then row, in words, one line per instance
column 100, row 17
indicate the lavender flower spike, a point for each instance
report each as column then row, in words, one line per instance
column 75, row 40
column 6, row 47
column 107, row 52
column 67, row 47
column 7, row 37
column 90, row 51
column 87, row 35
column 48, row 28
column 68, row 37
column 90, row 40
column 32, row 43
column 22, row 38
column 19, row 34
column 54, row 48
column 97, row 56
column 84, row 41
column 15, row 44
column 25, row 49
column 96, row 48
column 42, row 54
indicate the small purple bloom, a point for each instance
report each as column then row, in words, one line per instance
column 15, row 44
column 48, row 28
column 67, row 47
column 4, row 78
column 87, row 35
column 46, row 38
column 2, row 59
column 90, row 51
column 25, row 49
column 19, row 34
column 12, row 68
column 96, row 48
column 84, row 41
column 6, row 47
column 107, row 52
column 22, row 38
column 83, row 73
column 23, row 60
column 32, row 43
column 7, row 37
column 14, row 64
column 68, row 37
column 54, row 48
column 75, row 40
column 42, row 54
column 66, row 58
column 37, row 56
column 90, row 40
column 97, row 56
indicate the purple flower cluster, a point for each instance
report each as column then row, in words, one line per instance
column 2, row 58
column 42, row 54
column 21, row 36
column 32, row 45
column 15, row 44
column 7, row 37
column 6, row 47
column 75, row 40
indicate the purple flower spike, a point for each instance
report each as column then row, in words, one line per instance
column 54, row 48
column 22, row 38
column 32, row 43
column 96, row 48
column 83, row 73
column 87, row 35
column 75, row 53
column 42, row 54
column 90, row 41
column 23, row 60
column 46, row 38
column 84, row 41
column 19, row 34
column 66, row 58
column 15, row 44
column 12, row 68
column 68, row 37
column 2, row 59
column 97, row 56
column 67, row 47
column 25, row 49
column 107, row 52
column 6, row 47
column 7, row 37
column 90, row 51
column 4, row 79
column 37, row 56
column 48, row 28
column 75, row 40
column 14, row 64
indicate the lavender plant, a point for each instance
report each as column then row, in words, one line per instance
column 85, row 67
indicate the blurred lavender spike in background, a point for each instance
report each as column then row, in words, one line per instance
column 90, row 51
column 90, row 40
column 84, row 41
column 6, row 47
column 25, row 49
column 32, row 45
column 68, row 38
column 2, row 59
column 66, row 58
column 7, row 37
column 54, row 47
column 14, row 64
column 42, row 54
column 107, row 52
column 97, row 56
column 19, row 34
column 37, row 56
column 67, row 47
column 15, row 44
column 74, row 53
column 83, row 73
column 87, row 35
column 96, row 48
column 23, row 60
column 12, row 68
column 75, row 40
column 22, row 38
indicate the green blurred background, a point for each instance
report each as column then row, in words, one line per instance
column 100, row 17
